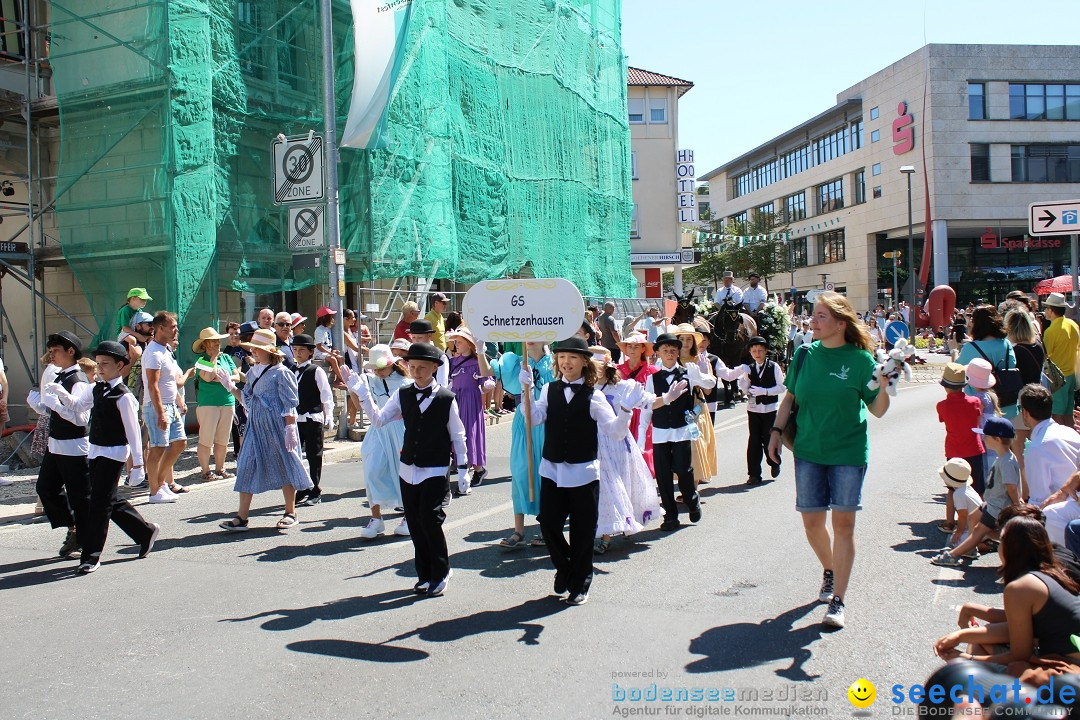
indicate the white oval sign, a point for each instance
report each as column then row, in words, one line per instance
column 528, row 310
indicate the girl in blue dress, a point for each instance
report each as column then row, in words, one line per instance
column 270, row 454
column 543, row 372
column 382, row 444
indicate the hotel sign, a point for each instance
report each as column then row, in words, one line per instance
column 685, row 172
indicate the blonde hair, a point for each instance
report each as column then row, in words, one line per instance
column 840, row 308
column 1019, row 327
column 87, row 366
column 409, row 307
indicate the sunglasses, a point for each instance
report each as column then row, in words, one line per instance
column 283, row 324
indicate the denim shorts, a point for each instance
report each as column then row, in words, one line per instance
column 828, row 487
column 172, row 433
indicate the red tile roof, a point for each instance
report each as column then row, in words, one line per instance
column 637, row 76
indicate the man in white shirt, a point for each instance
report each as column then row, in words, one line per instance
column 1051, row 456
column 754, row 296
column 729, row 291
column 163, row 409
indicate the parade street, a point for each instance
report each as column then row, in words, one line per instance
column 317, row 623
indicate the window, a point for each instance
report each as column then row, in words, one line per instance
column 658, row 110
column 976, row 101
column 634, row 222
column 249, row 39
column 1039, row 101
column 295, row 61
column 980, row 162
column 841, row 141
column 877, row 191
column 831, row 247
column 11, row 37
column 860, row 186
column 764, row 210
column 874, row 113
column 738, row 221
column 875, row 169
column 633, row 165
column 636, row 107
column 795, row 208
column 875, row 135
column 830, row 196
column 798, row 252
column 1046, row 163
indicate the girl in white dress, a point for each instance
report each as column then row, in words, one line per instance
column 382, row 445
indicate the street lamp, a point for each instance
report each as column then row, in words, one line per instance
column 909, row 170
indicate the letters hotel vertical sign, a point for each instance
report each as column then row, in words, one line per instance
column 684, row 186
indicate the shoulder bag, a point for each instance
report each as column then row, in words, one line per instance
column 792, row 427
column 1009, row 381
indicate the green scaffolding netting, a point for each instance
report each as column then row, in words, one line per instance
column 506, row 143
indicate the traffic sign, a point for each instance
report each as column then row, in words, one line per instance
column 895, row 330
column 298, row 169
column 892, row 254
column 306, row 228
column 830, row 286
column 1054, row 218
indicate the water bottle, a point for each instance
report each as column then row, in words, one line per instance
column 691, row 422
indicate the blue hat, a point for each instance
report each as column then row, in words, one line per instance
column 998, row 427
column 249, row 327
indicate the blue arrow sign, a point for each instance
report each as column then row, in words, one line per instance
column 896, row 330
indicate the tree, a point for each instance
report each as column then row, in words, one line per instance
column 767, row 254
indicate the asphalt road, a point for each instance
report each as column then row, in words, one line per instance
column 317, row 623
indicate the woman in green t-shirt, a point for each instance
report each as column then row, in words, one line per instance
column 216, row 404
column 829, row 380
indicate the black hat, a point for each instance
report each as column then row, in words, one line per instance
column 304, row 340
column 421, row 327
column 249, row 327
column 424, row 351
column 666, row 339
column 65, row 339
column 575, row 344
column 753, row 275
column 113, row 350
column 757, row 340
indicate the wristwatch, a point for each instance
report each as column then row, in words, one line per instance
column 774, row 428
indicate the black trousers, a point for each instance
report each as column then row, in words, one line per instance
column 669, row 459
column 424, row 513
column 573, row 560
column 105, row 506
column 311, row 440
column 758, row 443
column 59, row 473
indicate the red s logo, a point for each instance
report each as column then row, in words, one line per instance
column 903, row 131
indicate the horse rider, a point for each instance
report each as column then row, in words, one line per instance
column 754, row 296
column 730, row 291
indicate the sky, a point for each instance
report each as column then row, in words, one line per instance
column 760, row 68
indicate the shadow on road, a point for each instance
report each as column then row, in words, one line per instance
column 51, row 570
column 522, row 618
column 925, row 536
column 343, row 609
column 355, row 650
column 745, row 645
column 980, row 579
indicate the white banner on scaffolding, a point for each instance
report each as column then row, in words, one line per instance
column 379, row 29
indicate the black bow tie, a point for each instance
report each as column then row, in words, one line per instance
column 423, row 394
column 672, row 371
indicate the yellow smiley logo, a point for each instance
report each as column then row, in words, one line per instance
column 862, row 693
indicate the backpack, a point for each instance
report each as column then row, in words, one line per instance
column 1009, row 381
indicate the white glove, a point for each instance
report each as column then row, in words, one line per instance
column 328, row 418
column 224, row 378
column 357, row 384
column 136, row 476
column 344, row 372
column 292, row 437
column 50, row 396
column 677, row 390
column 526, row 378
column 694, row 373
column 33, row 398
column 755, row 391
column 634, row 395
column 641, row 441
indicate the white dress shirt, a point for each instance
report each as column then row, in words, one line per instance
column 1050, row 459
column 129, row 415
column 391, row 411
column 754, row 297
column 46, row 400
column 742, row 374
column 725, row 292
column 326, row 395
column 678, row 434
column 615, row 426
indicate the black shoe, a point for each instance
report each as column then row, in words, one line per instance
column 578, row 599
column 421, row 588
column 301, row 496
column 774, row 470
column 148, row 545
column 669, row 525
column 310, row 500
column 695, row 514
column 88, row 567
column 560, row 585
column 71, row 544
column 753, row 481
column 478, row 477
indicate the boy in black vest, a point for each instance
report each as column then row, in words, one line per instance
column 114, row 432
column 433, row 430
column 673, row 429
column 314, row 413
column 64, row 464
column 766, row 384
column 573, row 413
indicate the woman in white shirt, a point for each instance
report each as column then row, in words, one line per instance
column 876, row 333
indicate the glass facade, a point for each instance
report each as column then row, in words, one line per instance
column 1046, row 163
column 1044, row 101
column 987, row 268
column 841, row 141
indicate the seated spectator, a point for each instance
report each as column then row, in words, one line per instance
column 957, row 476
column 1051, row 456
column 1063, row 514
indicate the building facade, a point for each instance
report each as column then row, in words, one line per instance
column 986, row 129
column 655, row 237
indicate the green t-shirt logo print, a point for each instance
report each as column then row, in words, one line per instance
column 843, row 374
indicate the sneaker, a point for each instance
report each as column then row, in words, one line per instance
column 946, row 558
column 421, row 588
column 162, row 497
column 141, row 486
column 402, row 529
column 560, row 585
column 438, row 588
column 834, row 616
column 146, row 547
column 463, row 486
column 579, row 599
column 167, row 490
column 825, row 594
column 88, row 567
column 373, row 529
column 478, row 477
column 312, row 500
column 71, row 544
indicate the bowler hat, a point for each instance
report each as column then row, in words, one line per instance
column 421, row 327
column 112, row 349
column 753, row 275
column 65, row 339
column 575, row 344
column 249, row 327
column 425, row 351
column 757, row 340
column 666, row 339
column 304, row 340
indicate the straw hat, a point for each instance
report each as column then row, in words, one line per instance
column 636, row 338
column 263, row 339
column 601, row 354
column 953, row 376
column 1056, row 300
column 204, row 335
column 687, row 329
column 464, row 333
column 956, row 472
column 379, row 356
column 980, row 374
